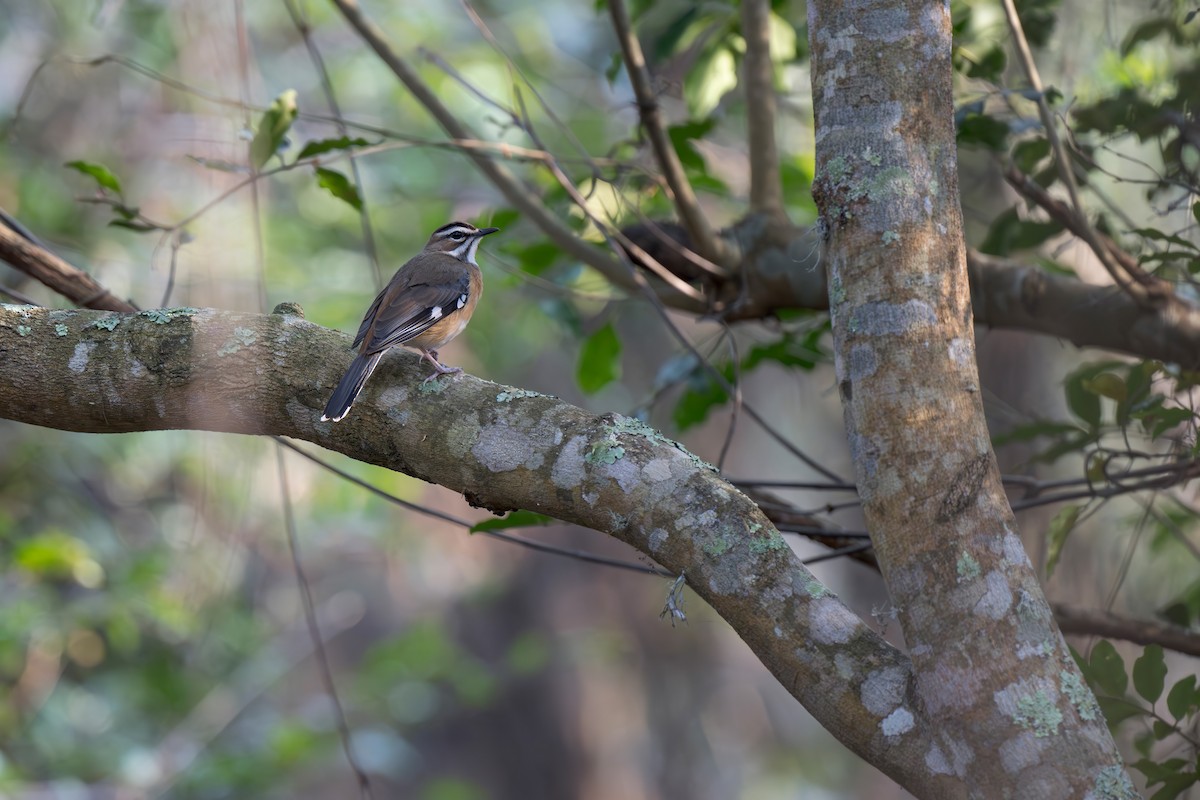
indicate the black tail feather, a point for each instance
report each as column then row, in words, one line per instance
column 349, row 387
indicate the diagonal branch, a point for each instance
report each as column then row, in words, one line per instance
column 1144, row 288
column 501, row 447
column 504, row 181
column 707, row 243
column 74, row 284
column 758, row 77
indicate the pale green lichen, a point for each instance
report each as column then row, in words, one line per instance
column 1036, row 712
column 508, row 395
column 968, row 568
column 717, row 546
column 604, row 452
column 770, row 543
column 435, row 386
column 161, row 316
column 1079, row 694
column 890, row 237
column 815, row 589
column 1113, row 783
column 107, row 323
column 24, row 330
column 60, row 330
column 242, row 337
column 871, row 157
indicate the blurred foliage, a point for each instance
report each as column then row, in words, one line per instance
column 152, row 639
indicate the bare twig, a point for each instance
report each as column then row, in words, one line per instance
column 314, row 628
column 508, row 185
column 1145, row 289
column 704, row 238
column 364, row 216
column 758, row 77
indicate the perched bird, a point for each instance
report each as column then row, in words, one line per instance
column 426, row 304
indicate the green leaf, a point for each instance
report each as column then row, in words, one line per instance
column 1033, row 430
column 1150, row 29
column 272, row 128
column 1106, row 384
column 1009, row 232
column 339, row 186
column 1083, row 403
column 515, row 519
column 1149, row 672
column 133, row 225
column 599, row 360
column 1159, row 421
column 537, row 257
column 98, row 172
column 1116, row 710
column 1175, row 786
column 703, row 393
column 321, row 146
column 991, row 66
column 1107, row 669
column 1028, row 154
column 983, row 130
column 708, row 82
column 1156, row 235
column 1056, row 536
column 681, row 139
column 1183, row 698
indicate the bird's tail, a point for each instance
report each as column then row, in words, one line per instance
column 349, row 386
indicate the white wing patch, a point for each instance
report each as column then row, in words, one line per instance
column 462, row 300
column 436, row 311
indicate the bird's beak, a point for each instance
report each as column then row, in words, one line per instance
column 486, row 231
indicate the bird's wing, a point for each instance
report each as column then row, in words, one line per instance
column 414, row 308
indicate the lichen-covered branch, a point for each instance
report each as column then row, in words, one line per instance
column 502, row 447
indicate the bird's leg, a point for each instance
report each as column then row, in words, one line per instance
column 441, row 369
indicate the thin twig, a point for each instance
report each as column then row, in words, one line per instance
column 578, row 555
column 1148, row 293
column 314, row 629
column 364, row 216
column 758, row 78
column 513, row 190
column 705, row 240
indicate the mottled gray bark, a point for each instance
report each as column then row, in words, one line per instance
column 1010, row 713
column 503, row 448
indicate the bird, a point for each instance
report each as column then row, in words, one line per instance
column 426, row 304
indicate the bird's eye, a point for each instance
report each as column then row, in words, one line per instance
column 458, row 236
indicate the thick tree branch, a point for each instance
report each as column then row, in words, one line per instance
column 969, row 601
column 758, row 79
column 503, row 448
column 707, row 243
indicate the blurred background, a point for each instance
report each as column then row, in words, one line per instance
column 153, row 641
